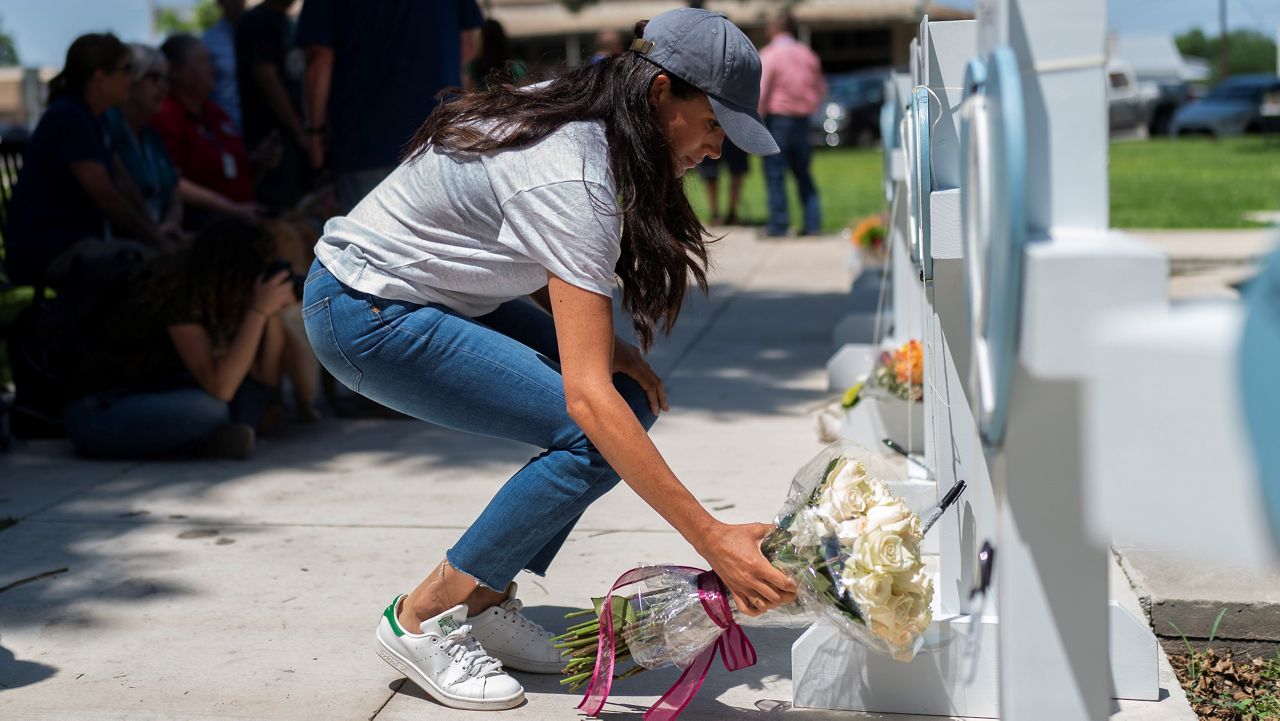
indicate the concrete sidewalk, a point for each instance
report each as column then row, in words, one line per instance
column 223, row 590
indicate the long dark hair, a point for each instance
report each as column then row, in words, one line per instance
column 664, row 244
column 215, row 278
column 87, row 55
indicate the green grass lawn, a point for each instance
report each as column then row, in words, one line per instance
column 850, row 185
column 1162, row 183
column 1193, row 182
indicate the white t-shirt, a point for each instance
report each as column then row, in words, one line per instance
column 473, row 231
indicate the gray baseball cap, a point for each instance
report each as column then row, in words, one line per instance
column 710, row 53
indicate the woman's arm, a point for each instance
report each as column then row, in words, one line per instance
column 171, row 223
column 221, row 377
column 93, row 177
column 319, row 79
column 125, row 183
column 584, row 330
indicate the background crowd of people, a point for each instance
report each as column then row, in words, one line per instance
column 162, row 184
column 169, row 199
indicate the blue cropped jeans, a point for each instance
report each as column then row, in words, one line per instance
column 495, row 375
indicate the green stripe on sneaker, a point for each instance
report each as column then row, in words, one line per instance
column 390, row 613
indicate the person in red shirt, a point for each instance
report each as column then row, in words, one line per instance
column 202, row 140
column 791, row 88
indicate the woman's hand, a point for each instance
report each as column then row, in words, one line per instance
column 274, row 294
column 734, row 554
column 252, row 212
column 628, row 359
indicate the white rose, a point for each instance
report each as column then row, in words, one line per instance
column 892, row 516
column 883, row 552
column 851, row 475
column 914, row 581
column 850, row 531
column 869, row 590
column 847, row 495
column 888, row 615
column 915, row 614
column 835, row 506
column 878, row 490
column 901, row 618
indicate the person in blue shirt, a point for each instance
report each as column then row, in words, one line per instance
column 140, row 147
column 67, row 206
column 373, row 71
column 221, row 41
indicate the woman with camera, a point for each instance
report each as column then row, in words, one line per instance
column 185, row 357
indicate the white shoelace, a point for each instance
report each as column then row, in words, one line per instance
column 463, row 648
column 513, row 607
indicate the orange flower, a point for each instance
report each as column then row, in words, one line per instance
column 908, row 363
column 869, row 232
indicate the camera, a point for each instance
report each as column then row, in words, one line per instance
column 277, row 265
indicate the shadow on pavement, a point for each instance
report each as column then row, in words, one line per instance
column 744, row 354
column 15, row 673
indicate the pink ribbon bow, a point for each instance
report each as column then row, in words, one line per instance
column 735, row 648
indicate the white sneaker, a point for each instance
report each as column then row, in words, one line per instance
column 447, row 661
column 514, row 640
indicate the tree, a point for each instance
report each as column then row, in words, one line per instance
column 188, row 20
column 8, row 50
column 1248, row 51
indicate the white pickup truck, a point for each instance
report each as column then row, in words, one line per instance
column 1130, row 103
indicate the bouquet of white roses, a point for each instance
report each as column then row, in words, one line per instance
column 851, row 545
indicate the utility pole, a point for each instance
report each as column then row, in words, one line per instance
column 1222, row 40
column 152, row 12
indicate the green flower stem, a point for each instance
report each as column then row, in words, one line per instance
column 576, row 680
column 579, row 643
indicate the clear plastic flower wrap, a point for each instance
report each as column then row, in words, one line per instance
column 850, row 544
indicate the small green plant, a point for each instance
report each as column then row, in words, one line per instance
column 1222, row 688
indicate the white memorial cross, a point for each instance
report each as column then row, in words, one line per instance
column 1040, row 268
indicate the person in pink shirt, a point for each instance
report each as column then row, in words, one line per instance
column 791, row 88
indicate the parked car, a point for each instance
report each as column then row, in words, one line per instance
column 1172, row 95
column 1156, row 62
column 1240, row 104
column 1130, row 103
column 851, row 113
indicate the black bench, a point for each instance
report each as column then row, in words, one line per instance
column 12, row 297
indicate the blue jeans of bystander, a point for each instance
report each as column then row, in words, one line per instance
column 792, row 136
column 135, row 424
